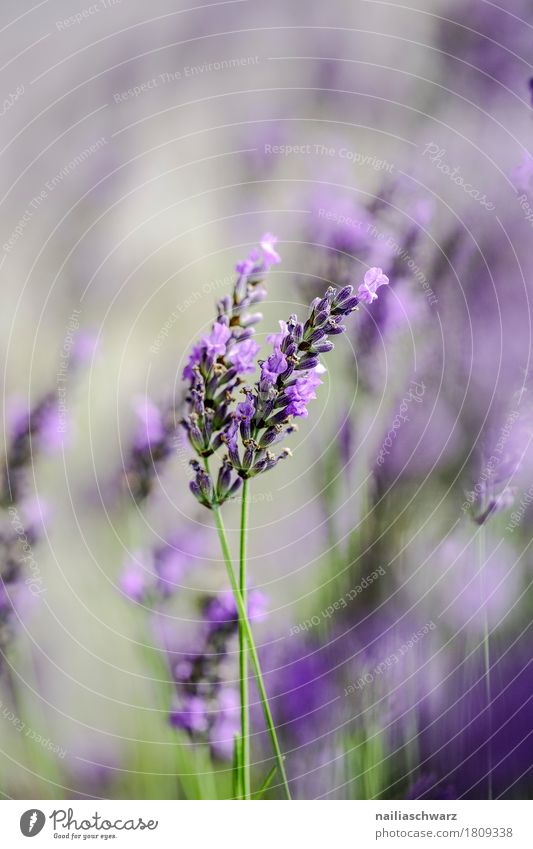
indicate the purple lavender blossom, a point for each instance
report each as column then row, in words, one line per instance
column 289, row 378
column 288, row 381
column 301, row 392
column 242, row 356
column 215, row 343
column 245, row 410
column 374, row 278
column 215, row 368
column 245, row 266
column 273, row 367
column 195, row 358
column 270, row 255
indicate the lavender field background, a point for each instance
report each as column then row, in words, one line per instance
column 146, row 149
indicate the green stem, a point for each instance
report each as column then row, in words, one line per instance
column 266, row 783
column 237, row 768
column 486, row 654
column 243, row 650
column 253, row 651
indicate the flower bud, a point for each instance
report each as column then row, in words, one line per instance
column 308, row 362
column 323, row 347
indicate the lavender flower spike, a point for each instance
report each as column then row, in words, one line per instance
column 289, row 378
column 287, row 382
column 216, row 367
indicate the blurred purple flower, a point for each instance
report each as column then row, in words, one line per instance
column 221, row 610
column 340, row 223
column 150, row 428
column 373, row 279
column 40, row 428
column 271, row 257
column 133, row 580
column 492, row 40
column 226, row 725
column 465, row 593
column 205, row 706
column 170, row 566
column 455, row 739
column 190, row 716
column 152, row 444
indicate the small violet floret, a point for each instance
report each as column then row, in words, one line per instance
column 373, row 279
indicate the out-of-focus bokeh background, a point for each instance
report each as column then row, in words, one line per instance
column 145, row 149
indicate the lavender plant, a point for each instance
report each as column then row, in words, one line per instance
column 244, row 433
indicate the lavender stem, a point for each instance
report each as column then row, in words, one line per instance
column 243, row 617
column 243, row 650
